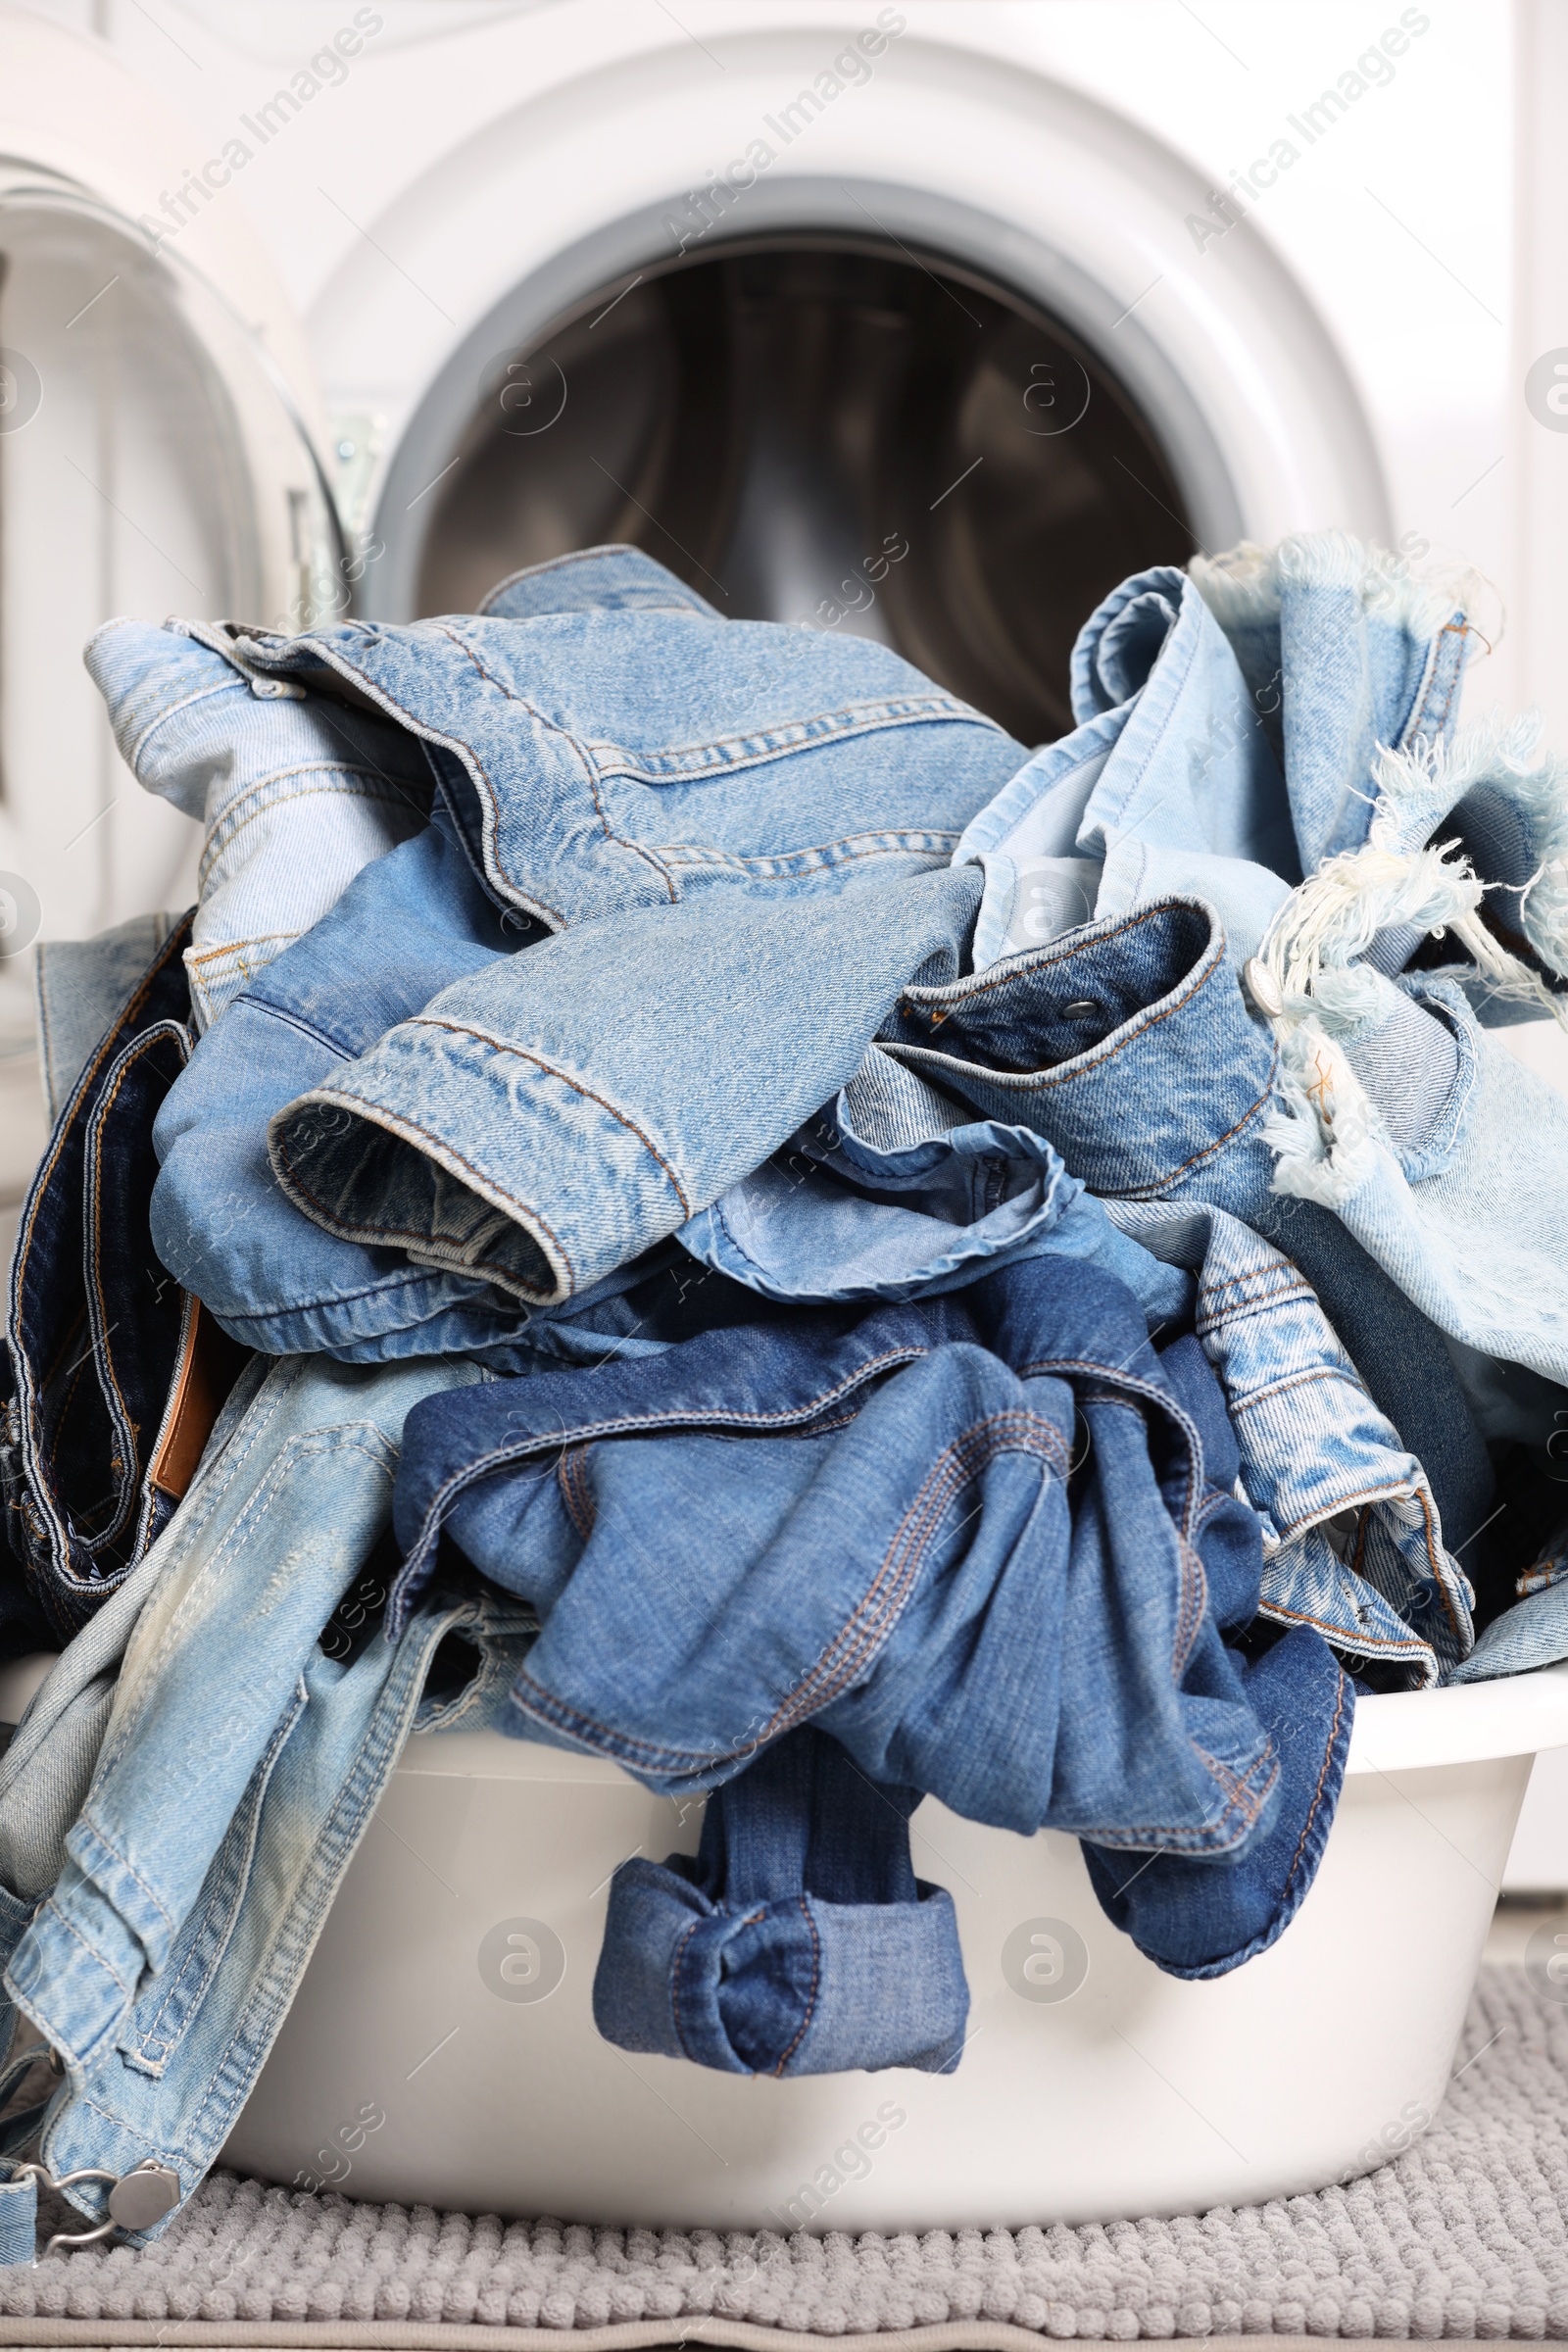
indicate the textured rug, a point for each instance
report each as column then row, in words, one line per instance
column 1464, row 2236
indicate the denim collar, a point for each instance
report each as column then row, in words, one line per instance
column 1129, row 1046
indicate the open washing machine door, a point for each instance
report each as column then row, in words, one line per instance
column 156, row 457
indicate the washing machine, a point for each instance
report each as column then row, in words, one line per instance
column 927, row 321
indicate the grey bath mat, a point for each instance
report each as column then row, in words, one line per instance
column 1465, row 2237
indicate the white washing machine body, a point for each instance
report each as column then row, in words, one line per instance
column 1319, row 253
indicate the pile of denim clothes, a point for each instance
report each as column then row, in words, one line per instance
column 682, row 1195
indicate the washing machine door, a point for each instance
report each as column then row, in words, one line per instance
column 154, row 460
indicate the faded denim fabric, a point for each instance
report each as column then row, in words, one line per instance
column 548, row 1120
column 295, row 794
column 465, row 1149
column 404, row 928
column 1352, row 1540
column 212, row 1839
column 1440, row 1152
column 404, row 932
column 619, row 753
column 864, row 1524
column 798, row 1940
column 1130, row 1044
column 1230, row 719
column 594, row 579
column 892, row 1191
column 81, row 986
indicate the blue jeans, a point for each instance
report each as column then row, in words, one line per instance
column 111, row 1375
column 1352, row 1536
column 798, row 1940
column 1230, row 719
column 885, row 1549
column 891, row 1192
column 1131, row 1046
column 160, row 1962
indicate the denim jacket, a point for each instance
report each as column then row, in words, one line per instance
column 741, row 838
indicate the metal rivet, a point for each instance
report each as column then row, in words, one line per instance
column 1263, row 986
column 143, row 2196
column 1082, row 1009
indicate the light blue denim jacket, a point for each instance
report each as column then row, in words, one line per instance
column 1230, row 719
column 744, row 850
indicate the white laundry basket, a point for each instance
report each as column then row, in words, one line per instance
column 441, row 2048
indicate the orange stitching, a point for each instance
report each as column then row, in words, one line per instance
column 811, row 1998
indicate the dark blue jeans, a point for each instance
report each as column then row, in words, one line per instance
column 798, row 1940
column 987, row 1542
column 113, row 1374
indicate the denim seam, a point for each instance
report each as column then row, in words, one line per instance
column 811, row 1992
column 783, row 865
column 234, row 2070
column 1208, row 1319
column 125, row 1428
column 1323, row 1774
column 1242, row 1401
column 1283, row 1614
column 91, row 1949
column 626, row 1424
column 352, row 1437
column 1365, row 1498
column 674, row 1990
column 462, row 752
column 1241, row 1799
column 870, row 1623
column 96, row 1835
column 580, row 752
column 570, row 1476
column 195, row 957
column 1123, row 1378
column 404, row 1129
column 237, row 818
column 51, row 1532
column 778, row 743
column 1271, row 1286
column 953, row 1470
column 1173, row 687
column 306, row 1028
column 553, row 1071
column 1438, row 1577
column 1423, row 720
column 203, row 1961
column 233, row 683
column 961, row 993
column 108, row 1045
column 1094, row 1061
column 485, row 609
column 1208, row 1151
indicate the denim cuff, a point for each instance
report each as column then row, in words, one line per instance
column 792, row 1986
